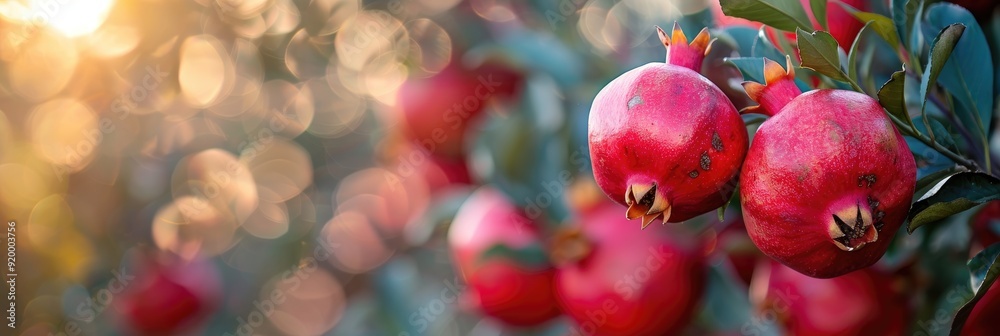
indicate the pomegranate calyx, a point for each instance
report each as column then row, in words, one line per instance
column 644, row 201
column 777, row 90
column 852, row 229
column 569, row 246
column 682, row 53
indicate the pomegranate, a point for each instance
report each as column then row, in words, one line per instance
column 508, row 289
column 664, row 140
column 827, row 181
column 983, row 318
column 437, row 110
column 629, row 282
column 858, row 303
column 169, row 296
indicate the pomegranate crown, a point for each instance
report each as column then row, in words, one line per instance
column 778, row 89
column 682, row 53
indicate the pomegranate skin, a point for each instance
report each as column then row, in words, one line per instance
column 858, row 303
column 632, row 282
column 519, row 295
column 982, row 320
column 664, row 129
column 827, row 155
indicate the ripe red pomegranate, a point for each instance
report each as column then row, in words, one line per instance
column 982, row 320
column 664, row 140
column 512, row 291
column 858, row 303
column 168, row 296
column 827, row 181
column 437, row 110
column 986, row 224
column 629, row 282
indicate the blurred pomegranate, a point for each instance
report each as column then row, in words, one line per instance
column 438, row 110
column 509, row 80
column 443, row 172
column 986, row 224
column 626, row 281
column 499, row 253
column 863, row 302
column 983, row 319
column 169, row 296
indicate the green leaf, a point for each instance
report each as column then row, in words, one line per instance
column 933, row 179
column 752, row 68
column 882, row 25
column 941, row 49
column 985, row 269
column 943, row 136
column 890, row 96
column 968, row 73
column 952, row 195
column 900, row 17
column 819, row 11
column 786, row 15
column 818, row 51
column 764, row 47
column 532, row 256
column 852, row 57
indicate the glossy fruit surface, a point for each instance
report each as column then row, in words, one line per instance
column 664, row 140
column 827, row 181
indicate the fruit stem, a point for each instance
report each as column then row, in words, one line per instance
column 680, row 53
column 967, row 163
column 777, row 91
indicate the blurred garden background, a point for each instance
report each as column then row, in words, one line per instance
column 292, row 167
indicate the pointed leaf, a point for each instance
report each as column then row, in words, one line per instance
column 764, row 47
column 902, row 14
column 890, row 96
column 819, row 52
column 751, row 67
column 781, row 14
column 819, row 11
column 852, row 57
column 952, row 195
column 941, row 49
column 882, row 25
column 985, row 268
column 968, row 73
